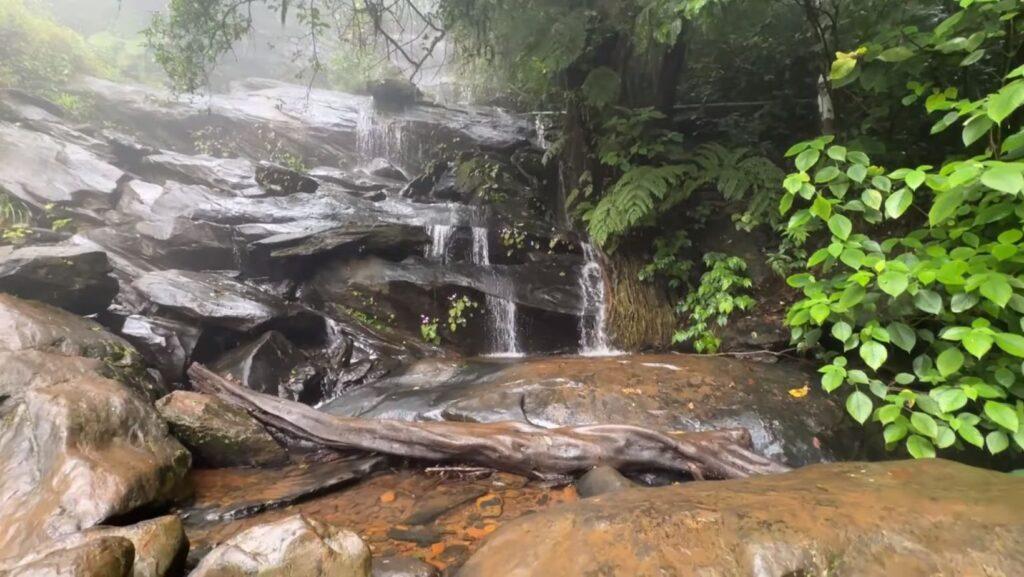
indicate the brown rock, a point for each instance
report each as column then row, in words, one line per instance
column 929, row 518
column 293, row 547
column 103, row 557
column 160, row 544
column 217, row 433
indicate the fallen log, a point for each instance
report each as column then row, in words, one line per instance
column 509, row 446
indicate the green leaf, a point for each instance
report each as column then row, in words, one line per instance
column 920, row 448
column 820, row 312
column 972, row 435
column 898, row 203
column 902, row 336
column 893, row 282
column 807, row 159
column 842, row 331
column 840, row 226
column 837, row 153
column 975, row 128
column 1004, row 178
column 859, row 406
column 888, row 414
column 1003, row 415
column 997, row 442
column 894, row 432
column 857, row 172
column 928, row 301
column 1011, row 343
column 1003, row 103
column 963, row 301
column 950, row 399
column 821, row 208
column 896, row 54
column 924, row 424
column 827, row 174
column 978, row 343
column 997, row 290
column 945, row 206
column 914, row 179
column 874, row 354
column 949, row 361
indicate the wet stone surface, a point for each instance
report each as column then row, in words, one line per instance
column 377, row 509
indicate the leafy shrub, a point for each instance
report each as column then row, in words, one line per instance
column 36, row 52
column 721, row 291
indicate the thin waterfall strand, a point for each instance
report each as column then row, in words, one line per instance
column 440, row 236
column 500, row 311
column 594, row 341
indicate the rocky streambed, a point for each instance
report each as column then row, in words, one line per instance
column 298, row 244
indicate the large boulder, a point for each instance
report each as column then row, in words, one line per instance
column 665, row 392
column 41, row 170
column 74, row 278
column 293, row 547
column 76, row 449
column 166, row 344
column 928, row 518
column 31, row 325
column 217, row 433
column 160, row 544
column 104, row 557
column 216, row 300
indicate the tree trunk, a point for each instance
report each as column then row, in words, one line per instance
column 515, row 447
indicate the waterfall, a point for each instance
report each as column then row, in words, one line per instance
column 594, row 340
column 378, row 137
column 440, row 235
column 500, row 311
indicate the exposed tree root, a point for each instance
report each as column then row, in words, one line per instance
column 510, row 446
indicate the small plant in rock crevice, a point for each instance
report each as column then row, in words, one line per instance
column 722, row 290
column 429, row 330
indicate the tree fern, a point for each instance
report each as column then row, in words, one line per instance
column 632, row 200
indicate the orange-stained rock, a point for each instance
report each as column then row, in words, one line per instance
column 930, row 518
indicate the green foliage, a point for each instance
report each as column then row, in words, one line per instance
column 913, row 295
column 429, row 330
column 460, row 309
column 36, row 53
column 722, row 290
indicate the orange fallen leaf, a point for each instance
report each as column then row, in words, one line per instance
column 436, row 549
column 387, row 497
column 799, row 393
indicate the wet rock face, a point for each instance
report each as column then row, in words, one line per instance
column 219, row 434
column 105, row 557
column 160, row 544
column 293, row 547
column 664, row 392
column 272, row 365
column 165, row 343
column 219, row 301
column 74, row 278
column 402, row 567
column 30, row 325
column 602, row 480
column 909, row 518
column 276, row 180
column 77, row 449
column 40, row 169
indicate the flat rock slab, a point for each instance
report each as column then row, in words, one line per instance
column 103, row 557
column 928, row 518
column 32, row 325
column 662, row 392
column 74, row 278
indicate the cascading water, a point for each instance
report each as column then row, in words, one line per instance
column 500, row 311
column 594, row 341
column 378, row 137
column 440, row 236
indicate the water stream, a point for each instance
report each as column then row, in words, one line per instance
column 440, row 236
column 594, row 339
column 501, row 312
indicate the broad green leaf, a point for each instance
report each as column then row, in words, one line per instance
column 978, row 343
column 857, row 172
column 1011, row 343
column 949, row 361
column 840, row 226
column 1003, row 415
column 859, row 406
column 837, row 152
column 997, row 290
column 975, row 128
column 972, row 435
column 898, row 203
column 1003, row 103
column 1004, row 178
column 963, row 301
column 914, row 179
column 924, row 424
column 945, row 206
column 874, row 354
column 851, row 296
column 821, row 208
column 950, row 399
column 819, row 313
column 894, row 432
column 842, row 331
column 896, row 54
column 888, row 413
column 893, row 282
column 920, row 448
column 807, row 159
column 826, row 174
column 902, row 336
column 928, row 301
column 997, row 442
